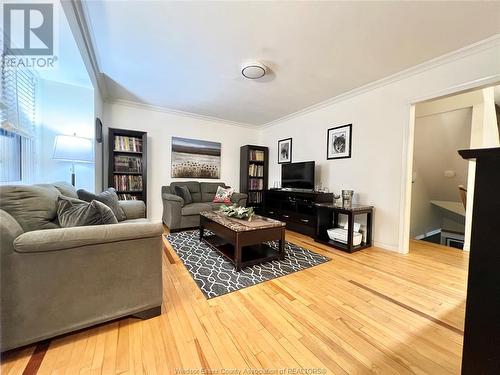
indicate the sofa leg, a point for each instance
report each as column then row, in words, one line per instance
column 148, row 314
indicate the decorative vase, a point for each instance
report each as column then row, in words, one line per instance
column 347, row 198
column 335, row 198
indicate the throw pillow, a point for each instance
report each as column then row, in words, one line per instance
column 108, row 197
column 72, row 212
column 223, row 195
column 183, row 192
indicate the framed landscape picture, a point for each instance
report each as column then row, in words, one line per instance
column 285, row 151
column 193, row 158
column 338, row 141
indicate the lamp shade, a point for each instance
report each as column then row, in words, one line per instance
column 73, row 148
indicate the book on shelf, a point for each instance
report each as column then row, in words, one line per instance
column 131, row 164
column 255, row 197
column 128, row 182
column 256, row 155
column 255, row 184
column 129, row 144
column 255, row 170
column 127, row 197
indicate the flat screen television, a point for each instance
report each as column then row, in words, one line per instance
column 298, row 175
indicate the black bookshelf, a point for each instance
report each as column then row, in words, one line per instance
column 254, row 165
column 127, row 163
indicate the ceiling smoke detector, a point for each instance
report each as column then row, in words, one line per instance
column 253, row 70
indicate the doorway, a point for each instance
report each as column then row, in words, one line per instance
column 439, row 176
column 442, row 183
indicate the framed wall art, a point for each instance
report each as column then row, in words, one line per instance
column 194, row 158
column 285, row 151
column 339, row 142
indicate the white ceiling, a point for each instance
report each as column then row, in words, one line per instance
column 187, row 55
column 70, row 68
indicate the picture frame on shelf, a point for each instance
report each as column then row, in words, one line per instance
column 285, row 151
column 339, row 142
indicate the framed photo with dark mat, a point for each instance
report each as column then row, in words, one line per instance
column 285, row 151
column 339, row 142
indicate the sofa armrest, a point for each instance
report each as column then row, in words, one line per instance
column 239, row 198
column 133, row 209
column 172, row 198
column 9, row 231
column 68, row 238
column 172, row 210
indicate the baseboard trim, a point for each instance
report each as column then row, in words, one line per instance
column 387, row 246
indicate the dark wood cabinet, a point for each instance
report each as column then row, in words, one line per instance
column 481, row 350
column 127, row 163
column 295, row 208
column 254, row 164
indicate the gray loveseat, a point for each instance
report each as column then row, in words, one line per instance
column 56, row 280
column 177, row 215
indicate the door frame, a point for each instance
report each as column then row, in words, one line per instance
column 408, row 142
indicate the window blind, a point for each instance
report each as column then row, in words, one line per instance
column 17, row 124
column 18, row 101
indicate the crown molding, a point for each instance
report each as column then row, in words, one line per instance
column 150, row 107
column 477, row 47
column 77, row 12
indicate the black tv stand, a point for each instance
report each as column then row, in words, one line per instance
column 296, row 190
column 295, row 207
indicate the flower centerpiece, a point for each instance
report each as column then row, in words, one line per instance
column 238, row 212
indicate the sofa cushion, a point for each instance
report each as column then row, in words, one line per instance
column 133, row 209
column 66, row 189
column 73, row 212
column 108, row 197
column 208, row 190
column 193, row 186
column 195, row 208
column 183, row 192
column 34, row 207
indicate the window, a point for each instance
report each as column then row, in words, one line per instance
column 11, row 167
column 17, row 126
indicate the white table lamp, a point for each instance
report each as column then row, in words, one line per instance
column 73, row 149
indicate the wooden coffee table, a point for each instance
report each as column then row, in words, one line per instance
column 242, row 241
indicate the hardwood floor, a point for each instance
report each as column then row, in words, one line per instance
column 371, row 311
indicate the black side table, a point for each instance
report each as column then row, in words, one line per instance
column 327, row 216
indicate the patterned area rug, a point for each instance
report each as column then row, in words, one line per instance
column 216, row 276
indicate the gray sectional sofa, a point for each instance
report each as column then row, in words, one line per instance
column 177, row 215
column 56, row 280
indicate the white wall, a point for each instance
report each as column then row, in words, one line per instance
column 161, row 126
column 380, row 118
column 437, row 139
column 63, row 109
